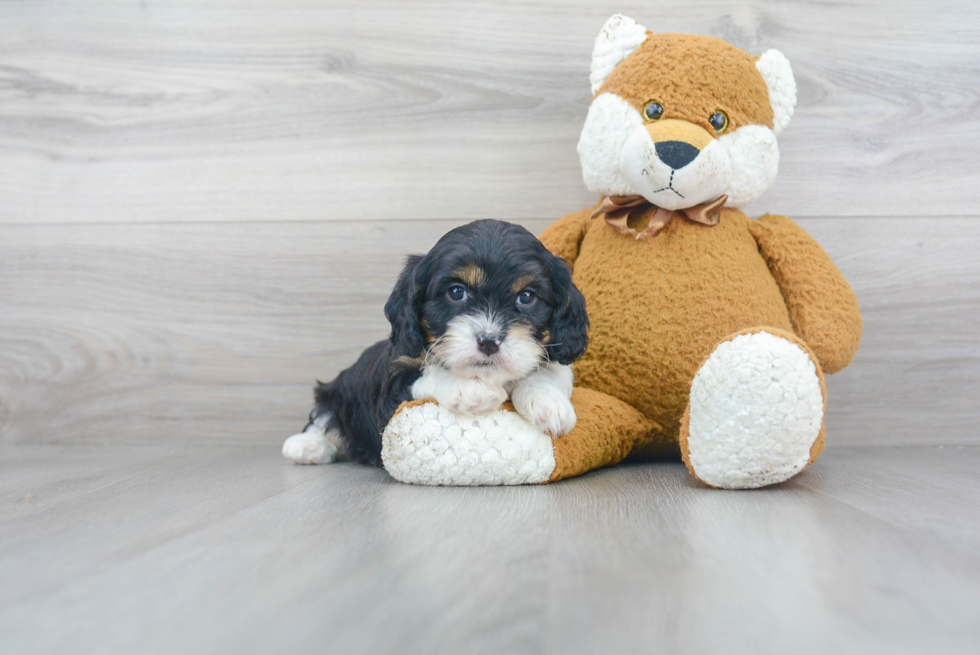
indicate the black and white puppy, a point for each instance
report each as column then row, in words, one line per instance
column 488, row 314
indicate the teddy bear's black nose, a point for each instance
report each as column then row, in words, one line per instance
column 676, row 154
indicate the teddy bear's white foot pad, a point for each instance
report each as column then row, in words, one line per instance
column 756, row 409
column 428, row 444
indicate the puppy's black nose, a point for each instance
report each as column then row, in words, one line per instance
column 488, row 343
column 676, row 154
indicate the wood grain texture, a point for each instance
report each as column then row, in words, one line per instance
column 208, row 110
column 207, row 549
column 215, row 332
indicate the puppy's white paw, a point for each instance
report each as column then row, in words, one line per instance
column 546, row 407
column 311, row 447
column 475, row 397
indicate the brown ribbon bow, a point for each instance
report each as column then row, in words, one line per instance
column 619, row 208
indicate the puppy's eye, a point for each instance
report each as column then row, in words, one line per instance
column 653, row 111
column 718, row 121
column 526, row 297
column 457, row 293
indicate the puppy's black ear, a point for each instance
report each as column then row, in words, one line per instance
column 403, row 308
column 569, row 320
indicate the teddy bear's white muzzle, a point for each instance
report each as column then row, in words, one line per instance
column 671, row 175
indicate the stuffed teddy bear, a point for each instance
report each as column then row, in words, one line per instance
column 711, row 332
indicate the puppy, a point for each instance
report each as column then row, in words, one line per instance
column 488, row 314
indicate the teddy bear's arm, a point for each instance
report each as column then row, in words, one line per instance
column 563, row 236
column 822, row 305
column 425, row 443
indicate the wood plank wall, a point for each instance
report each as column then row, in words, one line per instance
column 203, row 204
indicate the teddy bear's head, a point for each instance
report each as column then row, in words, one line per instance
column 682, row 120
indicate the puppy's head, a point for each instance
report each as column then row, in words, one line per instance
column 488, row 301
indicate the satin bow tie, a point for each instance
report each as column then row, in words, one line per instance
column 619, row 208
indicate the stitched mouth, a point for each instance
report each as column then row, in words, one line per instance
column 670, row 184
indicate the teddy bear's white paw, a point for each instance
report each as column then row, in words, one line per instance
column 312, row 447
column 428, row 444
column 756, row 409
column 547, row 408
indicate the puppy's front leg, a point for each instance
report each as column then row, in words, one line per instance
column 544, row 399
column 461, row 395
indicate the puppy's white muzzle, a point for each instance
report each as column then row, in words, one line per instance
column 517, row 352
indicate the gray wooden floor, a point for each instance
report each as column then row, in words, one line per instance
column 228, row 549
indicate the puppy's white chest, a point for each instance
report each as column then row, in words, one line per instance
column 542, row 398
column 471, row 396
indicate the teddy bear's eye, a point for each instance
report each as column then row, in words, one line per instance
column 653, row 111
column 718, row 121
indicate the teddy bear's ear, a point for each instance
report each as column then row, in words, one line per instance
column 617, row 40
column 778, row 75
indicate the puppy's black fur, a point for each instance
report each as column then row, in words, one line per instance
column 364, row 397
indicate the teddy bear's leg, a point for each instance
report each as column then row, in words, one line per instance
column 605, row 432
column 755, row 412
column 425, row 443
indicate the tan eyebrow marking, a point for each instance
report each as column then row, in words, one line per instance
column 522, row 282
column 471, row 274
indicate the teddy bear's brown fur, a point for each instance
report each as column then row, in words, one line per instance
column 660, row 306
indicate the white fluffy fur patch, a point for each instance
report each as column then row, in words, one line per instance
column 544, row 399
column 314, row 446
column 778, row 73
column 609, row 123
column 756, row 409
column 753, row 163
column 619, row 37
column 428, row 444
column 470, row 396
